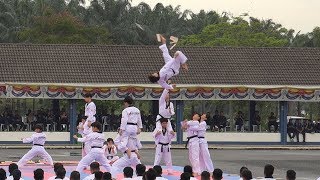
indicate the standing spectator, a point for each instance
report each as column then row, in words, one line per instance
column 268, row 172
column 75, row 175
column 246, row 174
column 38, row 174
column 300, row 129
column 239, row 120
column 215, row 121
column 291, row 130
column 222, row 120
column 272, row 121
column 291, row 175
column 3, row 174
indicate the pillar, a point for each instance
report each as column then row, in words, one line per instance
column 73, row 119
column 179, row 112
column 252, row 110
column 283, row 121
column 155, row 107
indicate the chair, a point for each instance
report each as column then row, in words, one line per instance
column 48, row 127
column 105, row 123
column 2, row 126
column 241, row 130
column 255, row 128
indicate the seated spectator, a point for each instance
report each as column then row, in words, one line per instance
column 215, row 121
column 246, row 174
column 56, row 166
column 17, row 121
column 291, row 130
column 239, row 121
column 98, row 175
column 256, row 119
column 217, row 174
column 205, row 175
column 317, row 126
column 291, row 175
column 222, row 120
column 188, row 169
column 242, row 169
column 3, row 174
column 158, row 170
column 61, row 173
column 309, row 126
column 185, row 176
column 127, row 173
column 268, row 172
column 106, row 176
column 16, row 175
column 38, row 174
column 50, row 120
column 94, row 167
column 75, row 175
column 12, row 167
column 140, row 170
column 151, row 174
column 272, row 121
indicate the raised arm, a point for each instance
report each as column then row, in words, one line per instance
column 124, row 120
column 172, row 109
column 162, row 82
column 92, row 111
column 165, row 52
column 28, row 140
column 162, row 99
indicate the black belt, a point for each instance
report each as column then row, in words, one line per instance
column 37, row 144
column 96, row 147
column 129, row 123
column 201, row 137
column 188, row 139
column 160, row 118
column 173, row 71
column 131, row 151
column 164, row 144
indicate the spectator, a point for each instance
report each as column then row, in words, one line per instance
column 317, row 126
column 12, row 167
column 239, row 121
column 300, row 129
column 242, row 169
column 140, row 170
column 205, row 175
column 151, row 174
column 272, row 121
column 64, row 120
column 217, row 174
column 188, row 169
column 215, row 121
column 222, row 120
column 268, row 172
column 75, row 175
column 56, row 166
column 185, row 176
column 98, row 175
column 94, row 167
column 290, row 130
column 38, row 174
column 256, row 119
column 61, row 173
column 106, row 176
column 17, row 121
column 291, row 175
column 246, row 174
column 158, row 170
column 3, row 174
column 16, row 174
column 50, row 120
column 127, row 173
column 309, row 126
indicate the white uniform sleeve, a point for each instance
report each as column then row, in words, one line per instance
column 172, row 109
column 165, row 53
column 84, row 139
column 92, row 111
column 115, row 151
column 162, row 99
column 193, row 126
column 28, row 140
column 164, row 84
column 203, row 126
column 139, row 123
column 124, row 120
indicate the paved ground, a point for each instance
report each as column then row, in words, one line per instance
column 304, row 162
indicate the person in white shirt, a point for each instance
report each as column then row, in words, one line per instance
column 38, row 139
column 131, row 123
column 57, row 166
column 158, row 170
column 127, row 173
column 96, row 139
column 110, row 150
column 205, row 158
column 192, row 128
column 15, row 175
column 89, row 112
column 268, row 172
column 61, row 174
column 171, row 67
column 166, row 109
column 163, row 138
column 140, row 170
column 94, row 167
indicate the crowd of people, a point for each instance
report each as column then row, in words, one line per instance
column 141, row 173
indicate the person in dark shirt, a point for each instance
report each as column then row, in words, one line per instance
column 309, row 126
column 17, row 121
column 239, row 120
column 291, row 130
column 272, row 121
column 222, row 120
column 215, row 121
column 256, row 119
column 300, row 129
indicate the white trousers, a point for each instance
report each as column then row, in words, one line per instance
column 35, row 151
column 165, row 155
column 194, row 157
column 86, row 147
column 205, row 159
column 124, row 161
column 96, row 154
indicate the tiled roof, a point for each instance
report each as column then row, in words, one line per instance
column 30, row 63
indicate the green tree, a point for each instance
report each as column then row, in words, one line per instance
column 63, row 28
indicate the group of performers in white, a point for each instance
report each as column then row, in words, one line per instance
column 95, row 148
